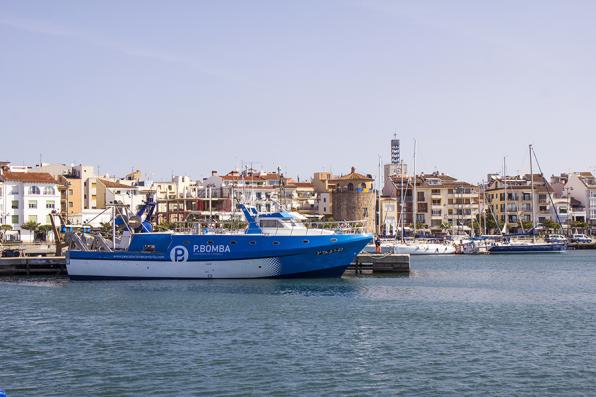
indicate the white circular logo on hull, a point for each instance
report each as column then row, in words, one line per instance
column 179, row 254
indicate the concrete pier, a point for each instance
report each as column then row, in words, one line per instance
column 366, row 263
column 27, row 266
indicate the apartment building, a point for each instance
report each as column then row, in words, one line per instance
column 27, row 197
column 516, row 192
column 582, row 187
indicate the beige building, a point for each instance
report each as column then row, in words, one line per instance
column 519, row 200
column 443, row 200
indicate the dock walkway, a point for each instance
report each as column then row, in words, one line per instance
column 366, row 263
column 29, row 266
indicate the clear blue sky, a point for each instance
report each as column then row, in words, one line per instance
column 190, row 86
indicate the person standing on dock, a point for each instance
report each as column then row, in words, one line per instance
column 377, row 245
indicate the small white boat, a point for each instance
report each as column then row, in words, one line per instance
column 423, row 248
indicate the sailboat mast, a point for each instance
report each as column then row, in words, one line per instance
column 401, row 196
column 505, row 188
column 532, row 197
column 414, row 196
column 379, row 199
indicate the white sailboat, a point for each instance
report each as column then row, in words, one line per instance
column 417, row 247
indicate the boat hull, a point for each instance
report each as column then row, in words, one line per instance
column 322, row 259
column 424, row 249
column 528, row 249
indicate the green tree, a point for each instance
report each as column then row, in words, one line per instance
column 3, row 230
column 31, row 226
column 43, row 230
column 165, row 226
column 105, row 228
column 551, row 225
column 579, row 224
column 526, row 225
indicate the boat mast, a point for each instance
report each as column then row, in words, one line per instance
column 379, row 199
column 505, row 188
column 414, row 197
column 532, row 197
column 401, row 197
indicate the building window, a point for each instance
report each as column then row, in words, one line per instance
column 32, row 203
column 34, row 190
column 15, row 219
column 70, row 204
column 48, row 220
column 50, row 204
column 32, row 218
column 49, row 190
column 15, row 204
column 350, row 186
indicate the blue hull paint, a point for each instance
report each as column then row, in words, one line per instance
column 528, row 249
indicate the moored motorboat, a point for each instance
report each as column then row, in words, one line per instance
column 523, row 247
column 423, row 248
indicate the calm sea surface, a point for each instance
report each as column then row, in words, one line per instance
column 460, row 325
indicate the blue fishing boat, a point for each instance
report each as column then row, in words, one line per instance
column 276, row 245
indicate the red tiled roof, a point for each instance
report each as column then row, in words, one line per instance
column 28, row 177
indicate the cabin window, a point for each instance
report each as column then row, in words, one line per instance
column 333, row 240
column 269, row 223
column 149, row 248
column 305, row 241
column 252, row 242
column 210, row 242
column 276, row 243
column 233, row 242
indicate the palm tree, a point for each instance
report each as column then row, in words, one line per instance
column 32, row 226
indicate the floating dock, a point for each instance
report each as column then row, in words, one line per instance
column 29, row 266
column 366, row 263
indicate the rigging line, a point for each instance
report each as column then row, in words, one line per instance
column 548, row 188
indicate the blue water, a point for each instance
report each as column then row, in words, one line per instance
column 460, row 325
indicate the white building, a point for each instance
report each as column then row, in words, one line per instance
column 582, row 187
column 27, row 197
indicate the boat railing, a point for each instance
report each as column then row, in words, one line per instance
column 337, row 227
column 300, row 229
